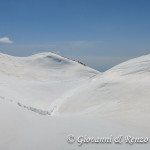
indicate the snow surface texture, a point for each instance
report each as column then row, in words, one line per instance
column 81, row 100
column 39, row 81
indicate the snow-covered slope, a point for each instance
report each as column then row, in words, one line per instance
column 24, row 130
column 89, row 103
column 43, row 66
column 37, row 81
column 121, row 93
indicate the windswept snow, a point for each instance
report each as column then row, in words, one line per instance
column 121, row 93
column 85, row 101
column 43, row 66
column 39, row 80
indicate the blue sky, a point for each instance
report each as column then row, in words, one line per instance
column 101, row 33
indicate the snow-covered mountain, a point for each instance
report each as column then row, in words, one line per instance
column 37, row 81
column 121, row 93
column 111, row 103
column 44, row 66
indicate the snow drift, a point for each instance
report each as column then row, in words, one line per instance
column 121, row 93
column 114, row 102
column 37, row 81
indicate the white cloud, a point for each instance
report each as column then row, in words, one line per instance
column 5, row 40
